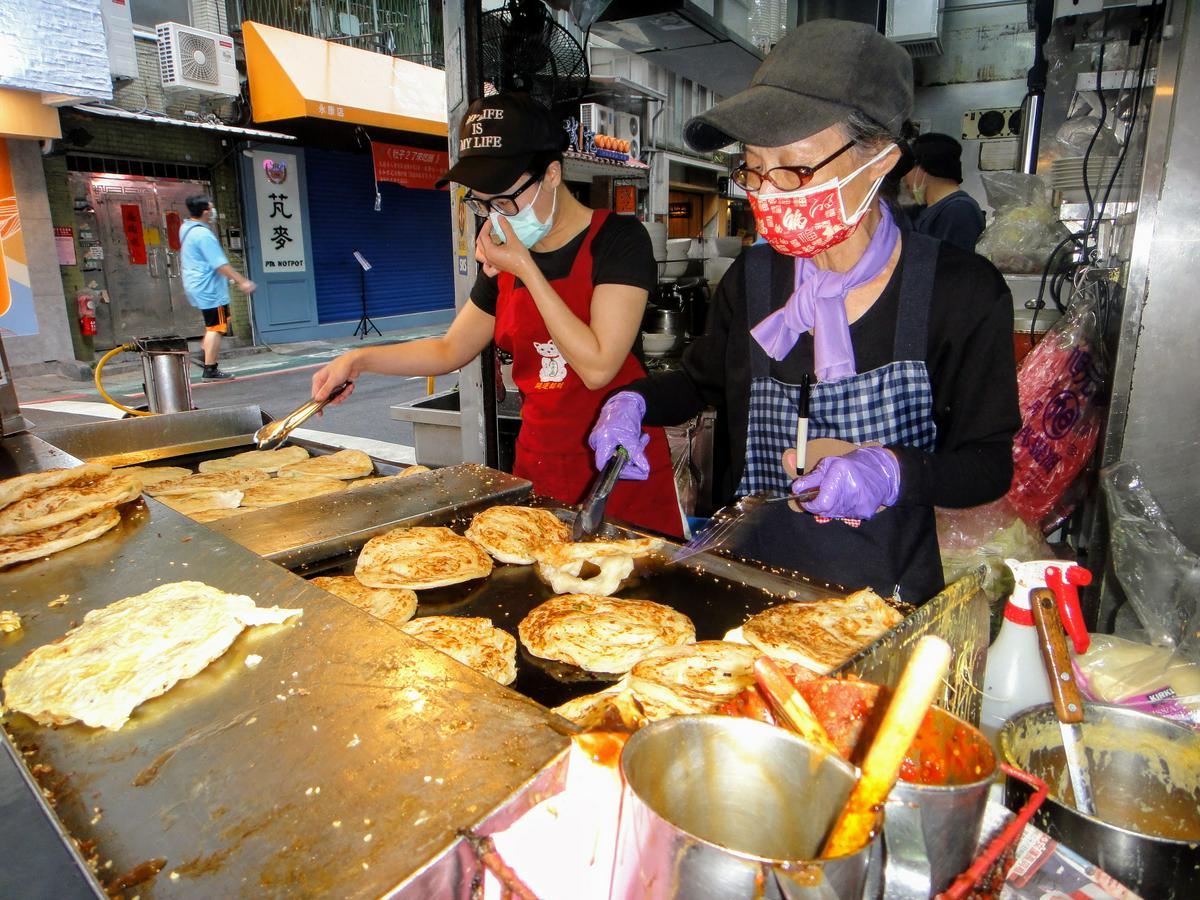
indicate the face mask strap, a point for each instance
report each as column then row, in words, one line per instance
column 866, row 203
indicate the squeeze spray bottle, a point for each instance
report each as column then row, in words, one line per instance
column 1015, row 677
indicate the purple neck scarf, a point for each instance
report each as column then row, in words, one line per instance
column 818, row 303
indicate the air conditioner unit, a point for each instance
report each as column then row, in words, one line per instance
column 916, row 25
column 628, row 127
column 193, row 60
column 597, row 118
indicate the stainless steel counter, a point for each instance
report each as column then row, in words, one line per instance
column 344, row 763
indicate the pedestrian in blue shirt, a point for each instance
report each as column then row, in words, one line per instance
column 945, row 211
column 206, row 275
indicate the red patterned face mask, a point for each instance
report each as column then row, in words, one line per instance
column 810, row 220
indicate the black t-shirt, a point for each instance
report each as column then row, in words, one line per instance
column 621, row 254
column 969, row 359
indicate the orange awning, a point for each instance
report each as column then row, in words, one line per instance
column 293, row 76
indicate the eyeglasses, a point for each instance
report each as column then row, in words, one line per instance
column 505, row 204
column 785, row 178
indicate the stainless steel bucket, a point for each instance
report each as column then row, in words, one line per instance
column 165, row 365
column 933, row 816
column 722, row 808
column 1145, row 774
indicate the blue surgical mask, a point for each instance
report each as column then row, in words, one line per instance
column 525, row 224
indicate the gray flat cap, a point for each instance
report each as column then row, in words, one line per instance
column 812, row 79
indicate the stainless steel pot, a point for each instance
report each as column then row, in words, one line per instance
column 663, row 321
column 717, row 807
column 1145, row 774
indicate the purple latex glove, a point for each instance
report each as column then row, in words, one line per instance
column 620, row 424
column 853, row 486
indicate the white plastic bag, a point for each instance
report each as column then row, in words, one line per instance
column 1146, row 678
column 1025, row 229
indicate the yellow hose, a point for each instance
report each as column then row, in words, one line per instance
column 100, row 387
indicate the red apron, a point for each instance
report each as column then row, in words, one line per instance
column 559, row 409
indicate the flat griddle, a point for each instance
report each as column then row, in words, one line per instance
column 715, row 593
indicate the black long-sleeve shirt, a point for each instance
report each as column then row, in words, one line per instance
column 969, row 359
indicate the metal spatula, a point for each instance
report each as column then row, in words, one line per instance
column 726, row 520
column 272, row 435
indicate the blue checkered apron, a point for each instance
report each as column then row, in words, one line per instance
column 889, row 405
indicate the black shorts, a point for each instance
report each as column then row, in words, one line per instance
column 216, row 319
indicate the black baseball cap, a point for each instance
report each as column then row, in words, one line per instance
column 939, row 154
column 813, row 78
column 499, row 138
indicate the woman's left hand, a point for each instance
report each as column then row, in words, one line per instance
column 512, row 256
column 854, row 486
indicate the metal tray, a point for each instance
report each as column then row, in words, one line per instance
column 344, row 763
column 178, row 439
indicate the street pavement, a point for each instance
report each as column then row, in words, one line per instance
column 277, row 378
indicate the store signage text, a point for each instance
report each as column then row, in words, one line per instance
column 409, row 166
column 280, row 215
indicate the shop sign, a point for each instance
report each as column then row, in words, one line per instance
column 64, row 244
column 174, row 222
column 409, row 166
column 625, row 198
column 135, row 238
column 679, row 210
column 280, row 219
column 17, row 316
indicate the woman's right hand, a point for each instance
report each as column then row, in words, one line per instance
column 481, row 257
column 620, row 425
column 325, row 379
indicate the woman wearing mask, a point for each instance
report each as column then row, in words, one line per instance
column 563, row 289
column 907, row 342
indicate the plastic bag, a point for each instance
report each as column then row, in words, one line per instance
column 679, row 440
column 1149, row 679
column 1160, row 576
column 1025, row 229
column 1061, row 387
column 987, row 535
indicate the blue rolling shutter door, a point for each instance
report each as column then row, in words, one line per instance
column 407, row 242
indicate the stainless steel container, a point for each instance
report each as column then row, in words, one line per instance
column 932, row 831
column 165, row 363
column 933, row 817
column 1145, row 774
column 719, row 807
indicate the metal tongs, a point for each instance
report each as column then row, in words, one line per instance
column 591, row 511
column 272, row 435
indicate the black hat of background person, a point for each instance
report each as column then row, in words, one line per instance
column 939, row 154
column 812, row 79
column 499, row 137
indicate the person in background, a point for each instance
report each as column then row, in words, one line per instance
column 905, row 341
column 562, row 288
column 206, row 274
column 943, row 211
